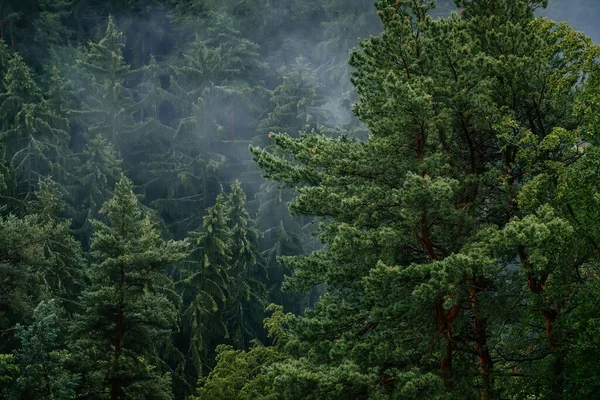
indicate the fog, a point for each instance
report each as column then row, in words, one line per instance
column 172, row 95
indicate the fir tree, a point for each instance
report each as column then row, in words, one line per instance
column 297, row 102
column 96, row 172
column 150, row 139
column 247, row 292
column 39, row 259
column 33, row 135
column 106, row 103
column 127, row 312
column 297, row 106
column 204, row 287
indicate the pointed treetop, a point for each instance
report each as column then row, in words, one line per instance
column 123, row 209
column 18, row 81
column 113, row 38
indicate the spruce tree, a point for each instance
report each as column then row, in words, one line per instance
column 297, row 105
column 5, row 57
column 96, row 172
column 247, row 291
column 34, row 137
column 126, row 311
column 150, row 140
column 204, row 288
column 39, row 259
column 107, row 101
column 297, row 102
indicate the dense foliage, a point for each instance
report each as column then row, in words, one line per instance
column 427, row 226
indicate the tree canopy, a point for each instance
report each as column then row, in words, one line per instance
column 300, row 199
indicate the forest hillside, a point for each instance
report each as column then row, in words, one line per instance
column 299, row 199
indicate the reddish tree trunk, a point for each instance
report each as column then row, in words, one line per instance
column 444, row 319
column 550, row 313
column 485, row 360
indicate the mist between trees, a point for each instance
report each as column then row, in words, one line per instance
column 299, row 199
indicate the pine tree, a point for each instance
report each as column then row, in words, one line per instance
column 127, row 311
column 443, row 230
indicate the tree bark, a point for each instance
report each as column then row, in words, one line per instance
column 115, row 381
column 550, row 313
column 444, row 319
column 480, row 325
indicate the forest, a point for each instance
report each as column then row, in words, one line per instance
column 299, row 199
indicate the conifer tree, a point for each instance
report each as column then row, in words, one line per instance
column 42, row 357
column 39, row 259
column 247, row 291
column 34, row 137
column 240, row 374
column 346, row 25
column 430, row 223
column 204, row 287
column 150, row 140
column 107, row 102
column 187, row 170
column 297, row 106
column 9, row 373
column 297, row 102
column 96, row 172
column 5, row 57
column 126, row 311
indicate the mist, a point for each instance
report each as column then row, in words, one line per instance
column 155, row 115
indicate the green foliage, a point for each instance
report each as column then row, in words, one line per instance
column 128, row 309
column 106, row 104
column 447, row 230
column 239, row 374
column 96, row 174
column 33, row 136
column 247, row 292
column 42, row 357
column 38, row 258
column 450, row 218
column 205, row 283
column 297, row 102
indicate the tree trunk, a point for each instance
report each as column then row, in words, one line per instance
column 485, row 360
column 558, row 366
column 444, row 319
column 537, row 286
column 115, row 381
